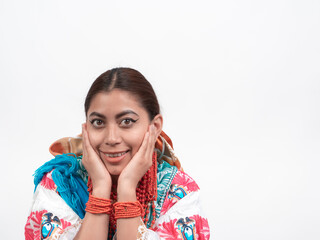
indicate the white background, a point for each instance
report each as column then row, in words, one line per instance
column 238, row 83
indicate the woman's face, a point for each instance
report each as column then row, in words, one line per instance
column 116, row 124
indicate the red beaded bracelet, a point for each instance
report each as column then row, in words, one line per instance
column 127, row 209
column 98, row 205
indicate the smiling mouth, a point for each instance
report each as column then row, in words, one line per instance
column 114, row 155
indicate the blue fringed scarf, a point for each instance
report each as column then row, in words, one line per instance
column 70, row 185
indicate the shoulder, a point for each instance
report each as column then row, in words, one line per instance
column 181, row 186
column 181, row 215
column 65, row 164
column 66, row 176
column 184, row 182
column 59, row 197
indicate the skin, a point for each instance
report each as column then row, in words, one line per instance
column 105, row 131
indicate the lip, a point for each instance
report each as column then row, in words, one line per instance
column 114, row 159
column 115, row 152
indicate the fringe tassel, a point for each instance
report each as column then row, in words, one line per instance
column 70, row 185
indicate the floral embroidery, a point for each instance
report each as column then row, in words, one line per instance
column 43, row 225
column 202, row 227
column 48, row 183
column 32, row 228
column 181, row 185
column 186, row 228
column 51, row 224
column 193, row 227
column 184, row 179
column 167, row 230
column 176, row 191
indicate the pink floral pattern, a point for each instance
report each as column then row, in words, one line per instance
column 48, row 183
column 170, row 231
column 33, row 225
column 202, row 227
column 182, row 181
column 185, row 180
column 32, row 228
column 167, row 230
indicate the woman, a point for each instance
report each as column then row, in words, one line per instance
column 136, row 187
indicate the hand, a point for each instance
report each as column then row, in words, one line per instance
column 101, row 179
column 140, row 162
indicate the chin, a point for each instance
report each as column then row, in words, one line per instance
column 115, row 171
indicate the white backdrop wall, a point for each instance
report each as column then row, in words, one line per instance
column 238, row 83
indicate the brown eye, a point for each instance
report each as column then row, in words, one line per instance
column 127, row 122
column 97, row 123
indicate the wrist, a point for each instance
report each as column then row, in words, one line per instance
column 126, row 193
column 126, row 184
column 101, row 188
column 101, row 192
column 97, row 205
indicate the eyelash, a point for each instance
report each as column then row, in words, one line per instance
column 125, row 126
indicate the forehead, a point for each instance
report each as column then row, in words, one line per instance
column 114, row 102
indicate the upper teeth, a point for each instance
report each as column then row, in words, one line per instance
column 115, row 155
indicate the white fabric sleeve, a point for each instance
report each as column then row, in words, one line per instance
column 49, row 214
column 184, row 219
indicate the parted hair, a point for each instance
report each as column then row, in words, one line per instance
column 126, row 79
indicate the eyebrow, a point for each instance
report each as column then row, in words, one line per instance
column 119, row 115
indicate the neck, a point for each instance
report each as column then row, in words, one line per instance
column 114, row 182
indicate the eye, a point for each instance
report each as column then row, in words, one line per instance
column 127, row 122
column 97, row 123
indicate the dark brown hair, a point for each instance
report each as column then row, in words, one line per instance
column 126, row 79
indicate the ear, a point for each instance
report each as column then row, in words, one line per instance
column 157, row 122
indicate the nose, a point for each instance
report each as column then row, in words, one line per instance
column 112, row 136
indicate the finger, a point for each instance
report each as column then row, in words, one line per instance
column 151, row 141
column 144, row 145
column 84, row 141
column 155, row 137
column 89, row 148
column 83, row 137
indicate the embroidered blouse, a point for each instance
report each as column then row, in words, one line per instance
column 61, row 193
